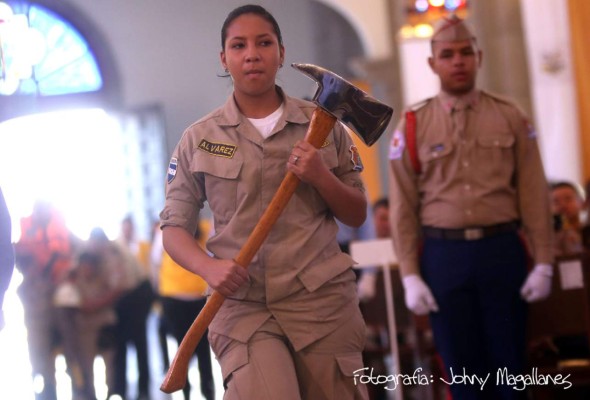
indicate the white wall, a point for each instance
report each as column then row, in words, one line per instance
column 553, row 93
column 417, row 78
column 167, row 52
column 370, row 19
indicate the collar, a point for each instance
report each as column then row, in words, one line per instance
column 231, row 115
column 449, row 101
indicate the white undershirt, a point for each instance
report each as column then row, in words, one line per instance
column 266, row 125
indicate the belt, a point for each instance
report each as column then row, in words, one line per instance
column 475, row 233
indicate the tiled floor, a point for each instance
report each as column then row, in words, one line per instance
column 15, row 375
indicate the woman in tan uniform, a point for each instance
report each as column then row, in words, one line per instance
column 290, row 327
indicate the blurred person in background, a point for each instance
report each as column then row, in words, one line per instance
column 129, row 239
column 374, row 308
column 155, row 262
column 132, row 308
column 6, row 254
column 43, row 256
column 85, row 303
column 567, row 205
column 183, row 296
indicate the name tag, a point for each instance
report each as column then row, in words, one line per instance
column 217, row 149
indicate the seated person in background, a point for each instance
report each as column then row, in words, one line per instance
column 373, row 306
column 380, row 227
column 348, row 234
column 567, row 205
column 567, row 201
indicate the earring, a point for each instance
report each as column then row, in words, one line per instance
column 281, row 65
column 226, row 70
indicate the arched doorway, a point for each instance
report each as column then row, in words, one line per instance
column 65, row 138
column 59, row 102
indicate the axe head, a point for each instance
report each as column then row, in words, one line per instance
column 363, row 114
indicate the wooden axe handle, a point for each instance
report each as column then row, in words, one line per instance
column 320, row 126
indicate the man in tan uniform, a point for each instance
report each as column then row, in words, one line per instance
column 465, row 176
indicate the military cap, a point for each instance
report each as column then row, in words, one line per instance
column 451, row 29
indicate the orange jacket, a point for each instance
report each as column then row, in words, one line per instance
column 44, row 249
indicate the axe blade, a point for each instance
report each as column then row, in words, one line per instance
column 363, row 114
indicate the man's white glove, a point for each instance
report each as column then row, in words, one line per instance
column 538, row 283
column 366, row 285
column 418, row 296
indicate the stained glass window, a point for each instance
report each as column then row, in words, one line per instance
column 43, row 54
column 421, row 14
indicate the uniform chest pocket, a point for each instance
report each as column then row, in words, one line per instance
column 496, row 153
column 435, row 158
column 221, row 180
column 496, row 142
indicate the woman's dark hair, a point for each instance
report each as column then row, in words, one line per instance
column 250, row 9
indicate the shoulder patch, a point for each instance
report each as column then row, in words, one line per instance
column 397, row 145
column 531, row 132
column 498, row 97
column 217, row 149
column 172, row 169
column 355, row 158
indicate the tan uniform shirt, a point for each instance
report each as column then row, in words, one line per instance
column 479, row 168
column 299, row 275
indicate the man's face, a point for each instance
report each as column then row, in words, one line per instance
column 565, row 201
column 456, row 64
column 381, row 221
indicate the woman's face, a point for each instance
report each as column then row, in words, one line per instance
column 252, row 54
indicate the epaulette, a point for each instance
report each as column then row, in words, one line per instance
column 497, row 97
column 530, row 129
column 416, row 106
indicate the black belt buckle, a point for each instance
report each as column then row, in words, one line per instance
column 473, row 234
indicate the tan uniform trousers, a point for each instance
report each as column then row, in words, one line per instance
column 268, row 368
